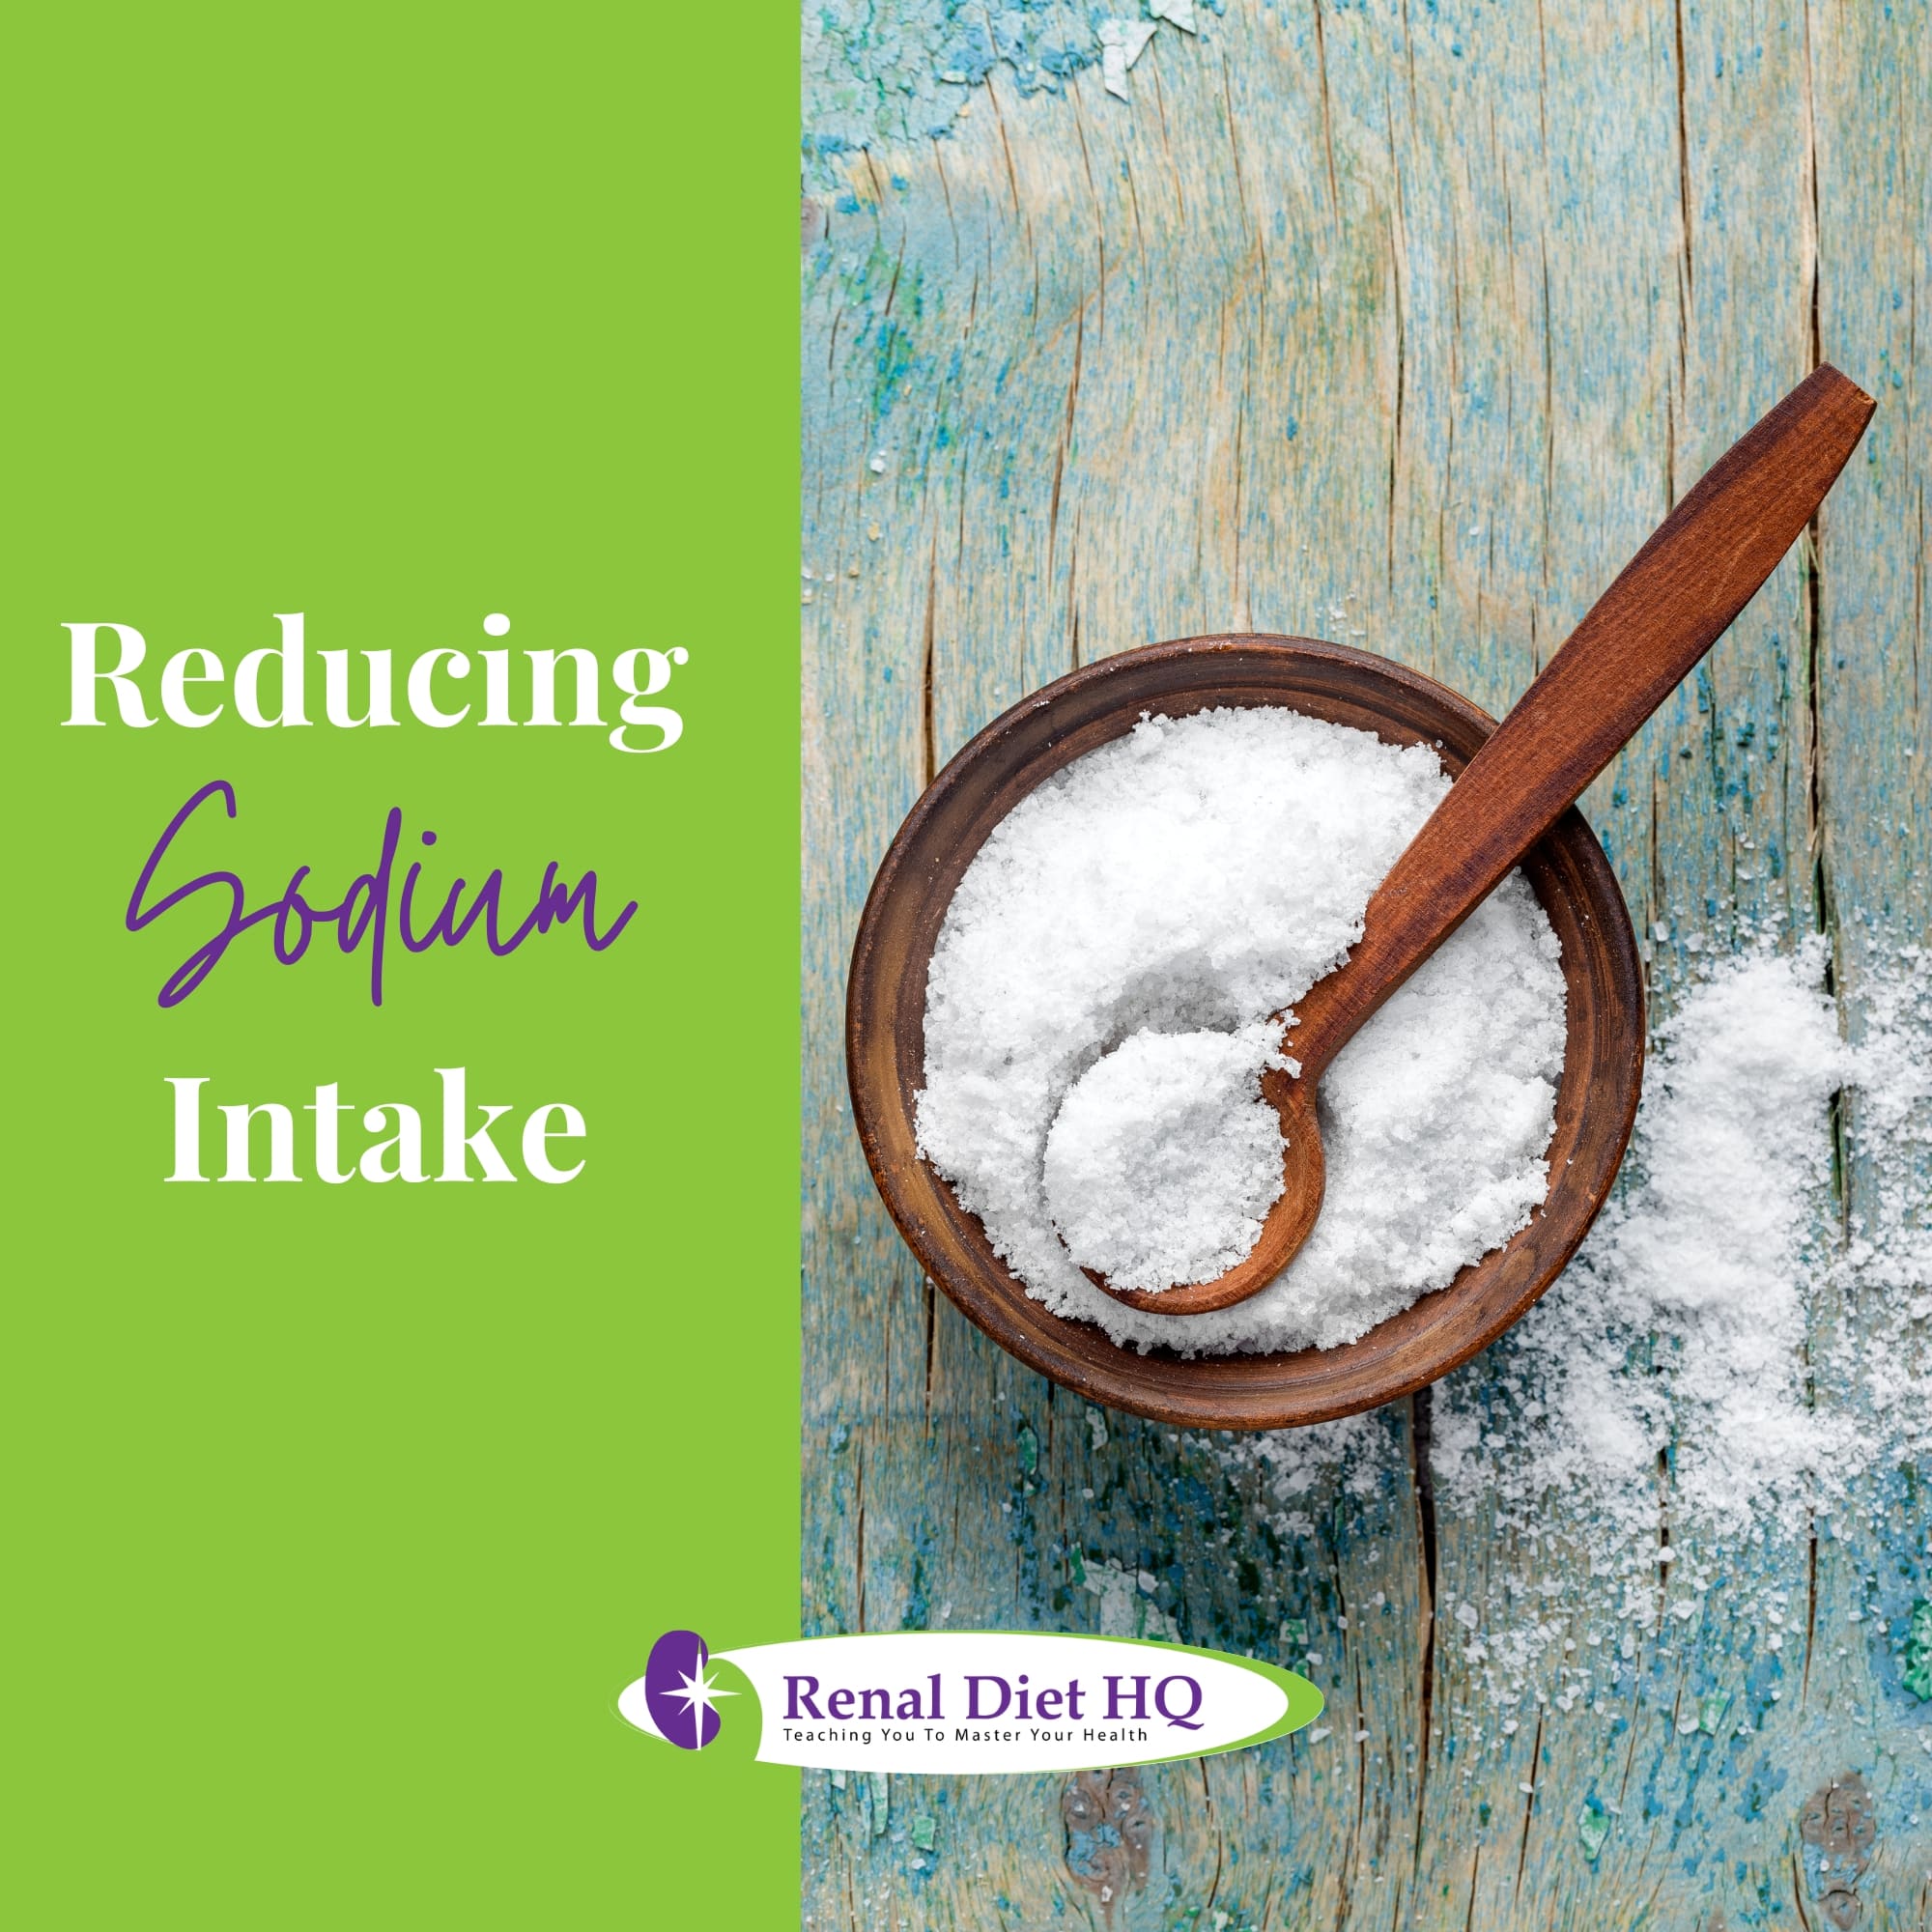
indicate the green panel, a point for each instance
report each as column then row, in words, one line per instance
column 337, row 1516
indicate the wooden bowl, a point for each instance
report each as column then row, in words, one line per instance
column 885, row 1034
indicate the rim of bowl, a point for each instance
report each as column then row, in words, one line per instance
column 913, row 888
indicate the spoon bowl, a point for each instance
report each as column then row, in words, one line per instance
column 1290, row 1221
column 1596, row 1101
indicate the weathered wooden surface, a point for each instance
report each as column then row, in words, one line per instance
column 1399, row 324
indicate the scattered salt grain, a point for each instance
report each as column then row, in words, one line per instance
column 1682, row 1321
column 1195, row 878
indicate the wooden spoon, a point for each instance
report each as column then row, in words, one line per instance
column 1673, row 601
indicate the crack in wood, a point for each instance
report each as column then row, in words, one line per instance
column 1682, row 156
column 1422, row 1430
column 1328, row 135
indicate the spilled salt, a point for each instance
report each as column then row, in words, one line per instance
column 1128, row 931
column 1690, row 1320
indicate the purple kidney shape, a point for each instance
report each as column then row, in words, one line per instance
column 675, row 1669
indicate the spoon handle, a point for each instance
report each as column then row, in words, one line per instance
column 1672, row 601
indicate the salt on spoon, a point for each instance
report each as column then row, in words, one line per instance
column 1671, row 602
column 1163, row 1157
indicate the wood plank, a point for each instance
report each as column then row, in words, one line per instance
column 1402, row 326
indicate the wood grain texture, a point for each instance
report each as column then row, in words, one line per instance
column 1394, row 324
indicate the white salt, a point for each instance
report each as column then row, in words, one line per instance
column 1164, row 1157
column 1196, row 878
column 1685, row 1321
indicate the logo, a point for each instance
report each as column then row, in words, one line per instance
column 680, row 1693
column 982, row 1701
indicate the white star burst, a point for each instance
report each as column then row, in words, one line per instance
column 699, row 1693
